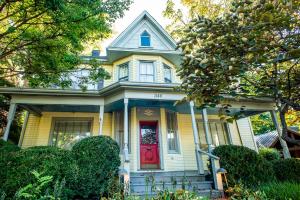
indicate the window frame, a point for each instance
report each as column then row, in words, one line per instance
column 154, row 72
column 149, row 37
column 124, row 78
column 55, row 119
column 167, row 66
column 170, row 151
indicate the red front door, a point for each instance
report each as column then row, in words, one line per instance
column 149, row 150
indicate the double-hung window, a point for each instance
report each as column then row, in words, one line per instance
column 124, row 72
column 172, row 132
column 146, row 72
column 67, row 131
column 167, row 74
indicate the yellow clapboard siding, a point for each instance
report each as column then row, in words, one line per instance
column 31, row 131
column 39, row 128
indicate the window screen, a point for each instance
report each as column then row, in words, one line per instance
column 67, row 132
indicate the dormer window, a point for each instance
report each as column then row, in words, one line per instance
column 145, row 39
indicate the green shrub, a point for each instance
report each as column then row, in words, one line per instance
column 16, row 168
column 244, row 165
column 269, row 154
column 98, row 162
column 281, row 191
column 8, row 146
column 287, row 170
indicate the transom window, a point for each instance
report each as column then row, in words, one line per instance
column 167, row 74
column 172, row 132
column 146, row 72
column 124, row 72
column 145, row 39
column 67, row 132
column 218, row 131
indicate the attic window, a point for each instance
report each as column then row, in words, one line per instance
column 145, row 39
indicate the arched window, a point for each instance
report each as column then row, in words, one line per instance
column 145, row 39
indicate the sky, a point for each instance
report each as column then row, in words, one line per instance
column 154, row 7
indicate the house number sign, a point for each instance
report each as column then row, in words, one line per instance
column 158, row 95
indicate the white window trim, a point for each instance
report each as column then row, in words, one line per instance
column 118, row 68
column 154, row 70
column 178, row 151
column 171, row 73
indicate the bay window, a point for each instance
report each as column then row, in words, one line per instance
column 146, row 71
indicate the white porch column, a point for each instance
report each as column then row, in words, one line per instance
column 126, row 156
column 210, row 147
column 196, row 140
column 10, row 118
column 101, row 113
column 285, row 148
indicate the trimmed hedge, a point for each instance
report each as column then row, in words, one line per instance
column 98, row 160
column 244, row 165
column 269, row 154
column 8, row 146
column 89, row 169
column 50, row 161
column 287, row 170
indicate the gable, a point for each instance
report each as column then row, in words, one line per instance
column 131, row 37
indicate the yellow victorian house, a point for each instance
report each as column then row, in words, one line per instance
column 136, row 108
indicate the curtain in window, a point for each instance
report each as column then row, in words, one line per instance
column 146, row 72
column 67, row 132
column 172, row 131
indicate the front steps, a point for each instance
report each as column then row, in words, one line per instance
column 149, row 183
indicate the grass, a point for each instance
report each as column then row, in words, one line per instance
column 281, row 190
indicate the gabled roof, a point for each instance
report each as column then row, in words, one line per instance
column 156, row 25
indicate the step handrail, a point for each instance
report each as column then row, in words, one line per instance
column 209, row 154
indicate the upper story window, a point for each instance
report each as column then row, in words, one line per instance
column 167, row 74
column 124, row 72
column 80, row 77
column 146, row 72
column 145, row 39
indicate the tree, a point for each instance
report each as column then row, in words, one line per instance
column 262, row 123
column 253, row 50
column 41, row 41
column 180, row 17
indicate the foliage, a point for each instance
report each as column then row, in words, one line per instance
column 281, row 190
column 293, row 118
column 253, row 50
column 98, row 160
column 262, row 123
column 39, row 189
column 179, row 17
column 7, row 147
column 178, row 195
column 41, row 41
column 242, row 193
column 244, row 165
column 287, row 170
column 16, row 168
column 269, row 154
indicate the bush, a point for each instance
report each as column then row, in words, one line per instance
column 51, row 161
column 269, row 154
column 98, row 162
column 287, row 170
column 244, row 165
column 280, row 191
column 8, row 146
